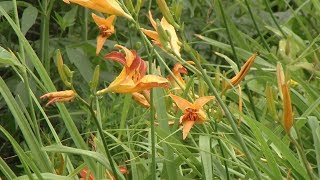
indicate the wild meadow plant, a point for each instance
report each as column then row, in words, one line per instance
column 166, row 90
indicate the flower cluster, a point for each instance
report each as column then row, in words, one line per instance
column 133, row 78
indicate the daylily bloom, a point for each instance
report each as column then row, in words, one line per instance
column 59, row 96
column 106, row 29
column 287, row 107
column 192, row 112
column 133, row 76
column 174, row 41
column 104, row 6
column 243, row 72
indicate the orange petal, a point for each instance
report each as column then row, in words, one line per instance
column 129, row 55
column 150, row 81
column 66, row 93
column 200, row 102
column 152, row 34
column 187, row 125
column 201, row 116
column 181, row 103
column 100, row 42
column 140, row 99
column 153, row 22
column 108, row 22
column 108, row 7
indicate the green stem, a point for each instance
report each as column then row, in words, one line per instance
column 303, row 156
column 257, row 28
column 115, row 170
column 226, row 111
column 237, row 60
column 84, row 12
column 274, row 19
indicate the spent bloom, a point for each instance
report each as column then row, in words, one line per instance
column 242, row 73
column 177, row 70
column 104, row 6
column 192, row 112
column 59, row 96
column 106, row 29
column 174, row 41
column 133, row 76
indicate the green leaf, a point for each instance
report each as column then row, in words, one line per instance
column 315, row 129
column 204, row 145
column 28, row 18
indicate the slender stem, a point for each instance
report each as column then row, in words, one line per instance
column 256, row 26
column 115, row 171
column 84, row 12
column 274, row 19
column 225, row 109
column 237, row 60
column 303, row 156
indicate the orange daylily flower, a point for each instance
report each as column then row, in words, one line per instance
column 84, row 173
column 287, row 107
column 104, row 6
column 106, row 29
column 174, row 41
column 192, row 112
column 59, row 96
column 133, row 76
column 243, row 72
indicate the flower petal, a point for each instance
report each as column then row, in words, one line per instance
column 200, row 102
column 287, row 109
column 100, row 42
column 139, row 98
column 153, row 22
column 187, row 125
column 152, row 34
column 105, row 6
column 150, row 81
column 129, row 55
column 108, row 22
column 174, row 41
column 181, row 103
column 116, row 56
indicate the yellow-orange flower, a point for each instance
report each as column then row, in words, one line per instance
column 287, row 107
column 59, row 96
column 133, row 76
column 106, row 29
column 242, row 73
column 104, row 6
column 174, row 41
column 192, row 112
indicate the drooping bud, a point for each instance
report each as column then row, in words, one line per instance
column 61, row 71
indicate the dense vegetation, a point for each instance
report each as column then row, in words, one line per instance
column 178, row 89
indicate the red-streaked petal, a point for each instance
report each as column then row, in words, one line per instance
column 129, row 55
column 116, row 56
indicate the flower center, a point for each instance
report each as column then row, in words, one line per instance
column 191, row 114
column 105, row 31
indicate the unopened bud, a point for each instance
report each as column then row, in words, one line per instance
column 166, row 13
